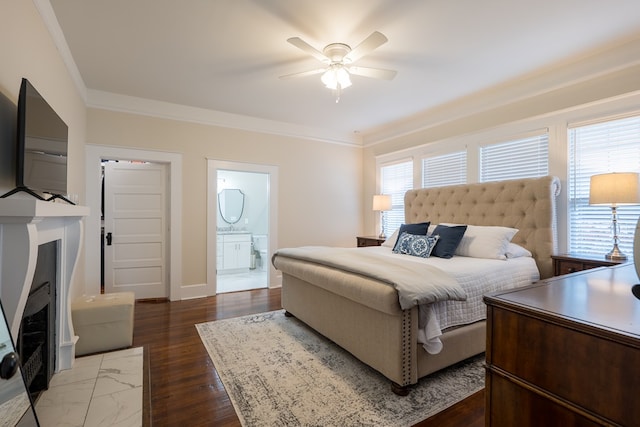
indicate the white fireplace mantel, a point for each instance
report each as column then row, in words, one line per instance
column 24, row 225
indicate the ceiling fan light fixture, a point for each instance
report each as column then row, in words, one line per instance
column 336, row 75
column 338, row 58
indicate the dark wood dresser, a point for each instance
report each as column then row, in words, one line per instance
column 565, row 351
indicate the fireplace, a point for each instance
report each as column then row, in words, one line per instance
column 26, row 225
column 36, row 339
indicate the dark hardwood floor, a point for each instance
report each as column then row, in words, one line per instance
column 185, row 388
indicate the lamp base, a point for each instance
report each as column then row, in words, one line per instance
column 615, row 254
column 382, row 236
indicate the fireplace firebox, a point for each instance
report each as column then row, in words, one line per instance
column 36, row 343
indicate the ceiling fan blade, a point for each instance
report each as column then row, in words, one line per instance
column 303, row 45
column 304, row 73
column 374, row 73
column 375, row 40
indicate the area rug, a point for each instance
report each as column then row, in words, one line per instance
column 279, row 372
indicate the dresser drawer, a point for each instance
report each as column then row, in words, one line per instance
column 567, row 267
column 563, row 364
column 363, row 241
column 568, row 263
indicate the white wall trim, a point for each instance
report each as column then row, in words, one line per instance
column 93, row 156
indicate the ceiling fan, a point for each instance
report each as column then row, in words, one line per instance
column 339, row 58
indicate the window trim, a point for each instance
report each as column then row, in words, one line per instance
column 556, row 122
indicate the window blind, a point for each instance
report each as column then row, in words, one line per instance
column 395, row 180
column 521, row 158
column 612, row 146
column 447, row 169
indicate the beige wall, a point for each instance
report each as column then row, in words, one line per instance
column 320, row 184
column 27, row 50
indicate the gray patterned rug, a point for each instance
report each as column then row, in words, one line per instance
column 279, row 372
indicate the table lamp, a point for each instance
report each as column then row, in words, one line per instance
column 381, row 203
column 615, row 189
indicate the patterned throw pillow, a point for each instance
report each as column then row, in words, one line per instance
column 416, row 245
column 420, row 229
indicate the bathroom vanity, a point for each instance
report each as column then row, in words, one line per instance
column 234, row 252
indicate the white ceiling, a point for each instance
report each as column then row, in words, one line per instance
column 226, row 55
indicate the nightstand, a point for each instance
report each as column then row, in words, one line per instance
column 570, row 263
column 369, row 241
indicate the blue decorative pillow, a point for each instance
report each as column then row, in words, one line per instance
column 420, row 229
column 416, row 245
column 450, row 238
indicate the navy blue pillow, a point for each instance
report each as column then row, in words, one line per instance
column 450, row 238
column 418, row 229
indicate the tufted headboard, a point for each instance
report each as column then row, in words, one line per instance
column 526, row 204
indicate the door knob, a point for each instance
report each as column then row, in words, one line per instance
column 109, row 237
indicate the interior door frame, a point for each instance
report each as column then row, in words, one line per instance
column 212, row 218
column 93, row 157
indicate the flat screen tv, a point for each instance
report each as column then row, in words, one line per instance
column 41, row 147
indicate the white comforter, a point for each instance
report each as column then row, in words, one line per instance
column 416, row 283
column 476, row 276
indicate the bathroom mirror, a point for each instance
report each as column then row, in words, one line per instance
column 231, row 205
column 16, row 408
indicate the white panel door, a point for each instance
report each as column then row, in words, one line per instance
column 135, row 229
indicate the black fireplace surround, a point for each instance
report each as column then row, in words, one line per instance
column 36, row 342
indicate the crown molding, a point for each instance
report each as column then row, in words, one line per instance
column 122, row 103
column 607, row 60
column 166, row 110
column 53, row 26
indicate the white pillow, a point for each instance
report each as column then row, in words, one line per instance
column 517, row 251
column 485, row 241
column 391, row 240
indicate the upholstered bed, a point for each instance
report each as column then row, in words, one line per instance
column 363, row 314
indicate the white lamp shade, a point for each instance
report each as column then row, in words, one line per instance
column 381, row 202
column 614, row 189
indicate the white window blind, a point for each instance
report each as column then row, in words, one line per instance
column 447, row 169
column 395, row 180
column 521, row 158
column 612, row 146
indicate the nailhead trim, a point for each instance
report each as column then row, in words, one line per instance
column 406, row 348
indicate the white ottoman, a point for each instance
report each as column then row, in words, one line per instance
column 103, row 322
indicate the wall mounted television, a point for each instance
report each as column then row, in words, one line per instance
column 41, row 147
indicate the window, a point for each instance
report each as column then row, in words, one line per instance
column 522, row 158
column 448, row 169
column 395, row 179
column 612, row 146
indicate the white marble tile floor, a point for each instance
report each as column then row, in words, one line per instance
column 100, row 390
column 234, row 282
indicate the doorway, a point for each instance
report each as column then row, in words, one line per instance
column 93, row 156
column 241, row 225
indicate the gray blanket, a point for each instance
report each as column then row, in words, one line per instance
column 416, row 283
